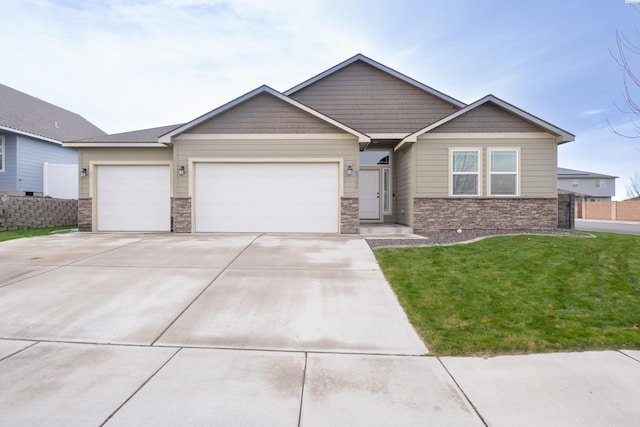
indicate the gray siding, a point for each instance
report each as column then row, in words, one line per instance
column 404, row 172
column 538, row 164
column 8, row 178
column 32, row 154
column 264, row 114
column 488, row 118
column 588, row 187
column 345, row 148
column 371, row 100
column 124, row 155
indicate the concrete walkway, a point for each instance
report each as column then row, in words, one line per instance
column 102, row 329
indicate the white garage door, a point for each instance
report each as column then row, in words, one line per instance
column 266, row 197
column 133, row 198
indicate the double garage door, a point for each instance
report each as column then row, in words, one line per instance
column 227, row 197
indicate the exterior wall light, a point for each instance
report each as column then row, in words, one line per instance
column 181, row 170
column 349, row 170
column 83, row 172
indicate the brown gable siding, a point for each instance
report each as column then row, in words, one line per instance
column 487, row 118
column 372, row 101
column 264, row 114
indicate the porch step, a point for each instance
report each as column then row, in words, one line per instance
column 387, row 231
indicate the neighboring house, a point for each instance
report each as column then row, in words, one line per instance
column 31, row 134
column 587, row 186
column 359, row 142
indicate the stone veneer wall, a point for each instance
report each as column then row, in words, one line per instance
column 349, row 216
column 566, row 210
column 36, row 212
column 484, row 214
column 85, row 214
column 181, row 214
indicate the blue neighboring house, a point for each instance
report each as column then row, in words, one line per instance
column 31, row 133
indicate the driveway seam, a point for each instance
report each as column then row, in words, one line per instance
column 144, row 383
column 205, row 289
column 304, row 381
column 19, row 351
column 475, row 409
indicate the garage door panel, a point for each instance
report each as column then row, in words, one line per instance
column 133, row 198
column 270, row 197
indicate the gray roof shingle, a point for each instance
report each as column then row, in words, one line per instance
column 27, row 114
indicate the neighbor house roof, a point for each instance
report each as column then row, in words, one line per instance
column 28, row 115
column 262, row 89
column 137, row 138
column 562, row 135
column 384, row 68
column 576, row 174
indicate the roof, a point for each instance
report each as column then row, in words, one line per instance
column 573, row 174
column 262, row 89
column 137, row 138
column 28, row 115
column 384, row 68
column 563, row 136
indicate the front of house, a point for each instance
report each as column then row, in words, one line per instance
column 357, row 143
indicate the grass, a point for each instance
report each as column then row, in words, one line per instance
column 30, row 232
column 521, row 294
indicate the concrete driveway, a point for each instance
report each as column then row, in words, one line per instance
column 235, row 330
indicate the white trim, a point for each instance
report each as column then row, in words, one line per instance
column 489, row 173
column 3, row 152
column 488, row 135
column 387, row 135
column 166, row 138
column 275, row 136
column 114, row 144
column 384, row 68
column 32, row 135
column 479, row 184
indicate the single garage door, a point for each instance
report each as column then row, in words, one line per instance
column 133, row 198
column 267, row 197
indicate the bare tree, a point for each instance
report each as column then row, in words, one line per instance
column 625, row 54
column 633, row 189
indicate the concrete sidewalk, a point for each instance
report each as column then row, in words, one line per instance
column 258, row 330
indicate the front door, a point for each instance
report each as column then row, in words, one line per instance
column 369, row 194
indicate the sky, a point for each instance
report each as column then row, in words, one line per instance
column 136, row 64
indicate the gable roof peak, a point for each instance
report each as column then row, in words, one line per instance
column 362, row 58
column 166, row 138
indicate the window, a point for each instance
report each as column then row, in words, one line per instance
column 465, row 171
column 1, row 153
column 503, row 171
column 601, row 183
column 575, row 183
column 374, row 158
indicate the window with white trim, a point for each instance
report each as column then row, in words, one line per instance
column 503, row 172
column 465, row 172
column 601, row 183
column 386, row 190
column 575, row 183
column 2, row 153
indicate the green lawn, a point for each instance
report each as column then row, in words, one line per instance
column 30, row 232
column 521, row 294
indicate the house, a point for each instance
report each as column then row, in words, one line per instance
column 31, row 134
column 587, row 186
column 359, row 142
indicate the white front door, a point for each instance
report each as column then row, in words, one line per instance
column 369, row 194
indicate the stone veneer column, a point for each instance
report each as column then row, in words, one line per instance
column 85, row 214
column 349, row 216
column 181, row 214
